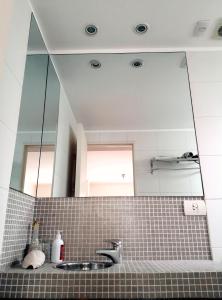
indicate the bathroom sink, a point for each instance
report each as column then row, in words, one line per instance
column 84, row 266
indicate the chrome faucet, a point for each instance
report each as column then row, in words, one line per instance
column 114, row 253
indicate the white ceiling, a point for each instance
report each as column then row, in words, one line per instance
column 119, row 97
column 171, row 24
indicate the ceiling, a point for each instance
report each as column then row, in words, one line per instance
column 120, row 97
column 171, row 24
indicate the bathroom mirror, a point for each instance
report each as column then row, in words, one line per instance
column 138, row 135
column 34, row 155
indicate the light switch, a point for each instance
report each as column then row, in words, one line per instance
column 194, row 208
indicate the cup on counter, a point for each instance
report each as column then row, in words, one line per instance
column 46, row 248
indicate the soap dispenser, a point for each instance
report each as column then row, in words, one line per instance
column 57, row 249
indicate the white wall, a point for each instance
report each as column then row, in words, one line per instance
column 66, row 122
column 15, row 19
column 148, row 144
column 205, row 70
column 81, row 164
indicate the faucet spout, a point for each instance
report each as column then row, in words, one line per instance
column 114, row 254
column 110, row 254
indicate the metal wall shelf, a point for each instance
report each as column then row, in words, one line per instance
column 171, row 160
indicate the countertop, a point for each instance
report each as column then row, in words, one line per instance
column 132, row 267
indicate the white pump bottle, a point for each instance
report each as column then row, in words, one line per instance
column 57, row 249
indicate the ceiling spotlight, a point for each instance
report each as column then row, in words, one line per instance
column 137, row 63
column 217, row 34
column 91, row 29
column 95, row 64
column 141, row 28
column 219, row 31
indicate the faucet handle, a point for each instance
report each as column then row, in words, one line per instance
column 115, row 243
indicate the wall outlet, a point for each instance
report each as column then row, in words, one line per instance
column 194, row 208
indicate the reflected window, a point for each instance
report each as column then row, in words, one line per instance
column 110, row 170
column 42, row 187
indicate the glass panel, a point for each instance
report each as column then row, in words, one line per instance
column 49, row 137
column 29, row 132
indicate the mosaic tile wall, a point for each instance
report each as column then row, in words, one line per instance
column 151, row 228
column 19, row 217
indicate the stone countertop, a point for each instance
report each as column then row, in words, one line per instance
column 142, row 267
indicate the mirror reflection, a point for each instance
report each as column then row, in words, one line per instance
column 140, row 101
column 49, row 135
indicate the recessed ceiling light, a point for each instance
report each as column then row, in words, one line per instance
column 91, row 29
column 137, row 63
column 141, row 28
column 95, row 64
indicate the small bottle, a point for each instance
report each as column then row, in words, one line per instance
column 57, row 249
column 35, row 245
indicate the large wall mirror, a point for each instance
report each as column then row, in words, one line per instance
column 111, row 125
column 137, row 117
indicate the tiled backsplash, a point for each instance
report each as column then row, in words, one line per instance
column 19, row 217
column 151, row 228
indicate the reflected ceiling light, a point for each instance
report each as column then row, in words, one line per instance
column 91, row 29
column 95, row 64
column 219, row 31
column 141, row 28
column 137, row 63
